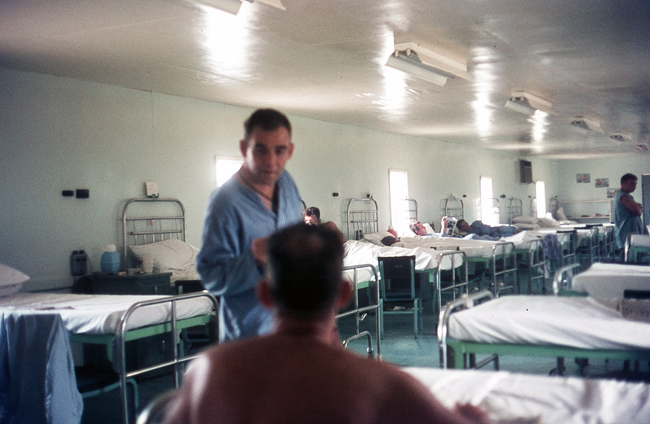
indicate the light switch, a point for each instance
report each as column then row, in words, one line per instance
column 151, row 189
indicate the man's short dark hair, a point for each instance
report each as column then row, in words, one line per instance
column 627, row 177
column 305, row 269
column 313, row 210
column 266, row 119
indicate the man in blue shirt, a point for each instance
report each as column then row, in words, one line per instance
column 258, row 200
column 627, row 212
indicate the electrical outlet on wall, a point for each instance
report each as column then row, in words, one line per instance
column 151, row 189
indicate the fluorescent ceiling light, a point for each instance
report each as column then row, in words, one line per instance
column 229, row 6
column 528, row 104
column 233, row 6
column 620, row 136
column 424, row 62
column 587, row 123
column 410, row 63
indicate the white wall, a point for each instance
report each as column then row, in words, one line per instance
column 612, row 168
column 58, row 134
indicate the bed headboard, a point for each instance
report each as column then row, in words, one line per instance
column 148, row 220
column 453, row 206
column 515, row 209
column 362, row 217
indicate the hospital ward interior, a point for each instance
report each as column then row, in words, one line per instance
column 471, row 153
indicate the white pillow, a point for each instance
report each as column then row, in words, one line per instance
column 525, row 220
column 11, row 280
column 559, row 214
column 548, row 222
column 168, row 255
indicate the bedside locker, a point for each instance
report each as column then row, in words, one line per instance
column 157, row 283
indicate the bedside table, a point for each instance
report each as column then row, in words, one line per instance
column 156, row 283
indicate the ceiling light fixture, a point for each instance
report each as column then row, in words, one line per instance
column 587, row 123
column 424, row 62
column 233, row 6
column 620, row 136
column 528, row 104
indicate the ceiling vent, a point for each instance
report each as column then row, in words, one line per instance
column 587, row 123
column 528, row 104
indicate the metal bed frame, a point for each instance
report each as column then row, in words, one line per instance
column 410, row 210
column 515, row 209
column 553, row 206
column 536, row 263
column 453, row 206
column 362, row 218
column 360, row 313
column 173, row 327
column 457, row 284
column 533, row 206
column 465, row 352
column 167, row 223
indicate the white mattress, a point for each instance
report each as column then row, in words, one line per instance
column 608, row 281
column 545, row 320
column 640, row 240
column 571, row 400
column 101, row 314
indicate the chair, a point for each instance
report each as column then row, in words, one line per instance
column 398, row 285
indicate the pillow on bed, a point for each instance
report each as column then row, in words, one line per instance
column 376, row 238
column 524, row 220
column 548, row 222
column 168, row 255
column 11, row 280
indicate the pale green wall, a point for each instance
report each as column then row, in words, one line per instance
column 58, row 133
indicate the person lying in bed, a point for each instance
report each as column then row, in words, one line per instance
column 480, row 231
column 296, row 374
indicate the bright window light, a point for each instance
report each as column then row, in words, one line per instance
column 398, row 182
column 225, row 168
column 489, row 212
column 540, row 195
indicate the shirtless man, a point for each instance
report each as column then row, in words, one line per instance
column 295, row 374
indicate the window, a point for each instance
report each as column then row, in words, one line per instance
column 398, row 183
column 540, row 195
column 225, row 168
column 489, row 211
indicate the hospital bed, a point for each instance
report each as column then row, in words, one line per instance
column 520, row 398
column 555, row 326
column 453, row 207
column 515, row 209
column 510, row 398
column 435, row 266
column 359, row 276
column 637, row 246
column 111, row 321
column 156, row 227
column 362, row 218
column 497, row 258
column 611, row 281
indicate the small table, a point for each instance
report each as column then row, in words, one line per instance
column 155, row 283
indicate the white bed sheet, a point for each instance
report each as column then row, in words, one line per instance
column 608, row 281
column 471, row 248
column 571, row 400
column 101, row 314
column 545, row 320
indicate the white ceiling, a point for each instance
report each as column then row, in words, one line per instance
column 324, row 59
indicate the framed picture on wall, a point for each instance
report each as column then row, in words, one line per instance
column 602, row 182
column 611, row 192
column 583, row 178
